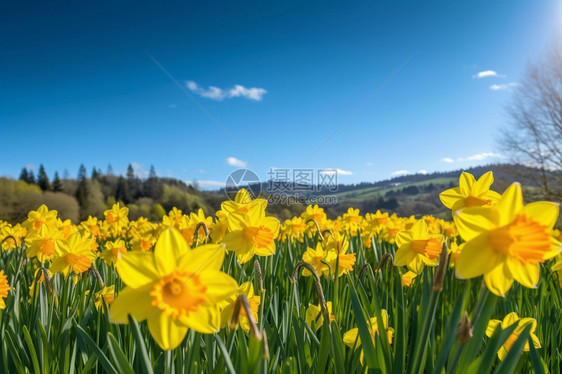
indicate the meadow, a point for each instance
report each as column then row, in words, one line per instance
column 242, row 292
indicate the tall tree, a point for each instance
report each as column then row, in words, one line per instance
column 534, row 135
column 43, row 179
column 122, row 192
column 82, row 191
column 24, row 176
column 30, row 177
column 57, row 184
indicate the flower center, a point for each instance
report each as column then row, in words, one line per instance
column 472, row 200
column 524, row 239
column 179, row 293
column 111, row 218
column 258, row 236
column 347, row 261
column 47, row 246
column 430, row 247
column 79, row 263
column 38, row 223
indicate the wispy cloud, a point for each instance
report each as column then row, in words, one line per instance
column 398, row 173
column 216, row 93
column 503, row 86
column 207, row 185
column 233, row 161
column 344, row 172
column 475, row 157
column 422, row 171
column 487, row 74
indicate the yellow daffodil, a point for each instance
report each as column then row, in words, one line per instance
column 174, row 288
column 509, row 320
column 4, row 289
column 314, row 317
column 352, row 220
column 316, row 214
column 242, row 203
column 41, row 243
column 117, row 217
column 227, row 307
column 91, row 225
column 558, row 268
column 41, row 216
column 407, row 278
column 417, row 247
column 470, row 192
column 507, row 242
column 351, row 338
column 319, row 259
column 73, row 254
column 106, row 294
column 251, row 233
column 114, row 249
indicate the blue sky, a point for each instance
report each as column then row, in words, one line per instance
column 272, row 82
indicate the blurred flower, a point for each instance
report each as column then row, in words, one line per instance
column 4, row 288
column 509, row 320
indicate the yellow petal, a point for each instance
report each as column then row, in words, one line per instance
column 526, row 274
column 404, row 255
column 450, row 197
column 170, row 247
column 205, row 257
column 482, row 185
column 544, row 212
column 419, row 230
column 509, row 320
column 510, row 204
column 477, row 258
column 137, row 268
column 416, row 265
column 498, row 280
column 471, row 222
column 134, row 301
column 492, row 324
column 350, row 337
column 220, row 286
column 167, row 332
column 403, row 237
column 206, row 319
column 466, row 181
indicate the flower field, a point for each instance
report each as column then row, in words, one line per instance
column 241, row 292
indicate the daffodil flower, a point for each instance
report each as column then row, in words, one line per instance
column 417, row 247
column 507, row 242
column 470, row 192
column 4, row 288
column 227, row 307
column 352, row 336
column 174, row 288
column 509, row 320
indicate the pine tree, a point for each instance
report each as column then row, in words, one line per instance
column 57, row 184
column 43, row 179
column 82, row 191
column 122, row 192
column 152, row 173
column 30, row 177
column 24, row 176
column 95, row 174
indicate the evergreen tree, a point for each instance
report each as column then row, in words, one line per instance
column 122, row 192
column 109, row 170
column 152, row 173
column 82, row 191
column 30, row 177
column 24, row 176
column 95, row 174
column 57, row 184
column 130, row 172
column 43, row 179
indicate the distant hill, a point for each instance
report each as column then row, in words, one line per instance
column 416, row 194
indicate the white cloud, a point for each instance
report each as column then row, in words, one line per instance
column 140, row 170
column 488, row 73
column 216, row 93
column 400, row 172
column 422, row 171
column 207, row 185
column 344, row 172
column 233, row 161
column 503, row 86
column 249, row 93
column 481, row 156
column 475, row 157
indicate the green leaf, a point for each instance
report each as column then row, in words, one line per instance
column 102, row 358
